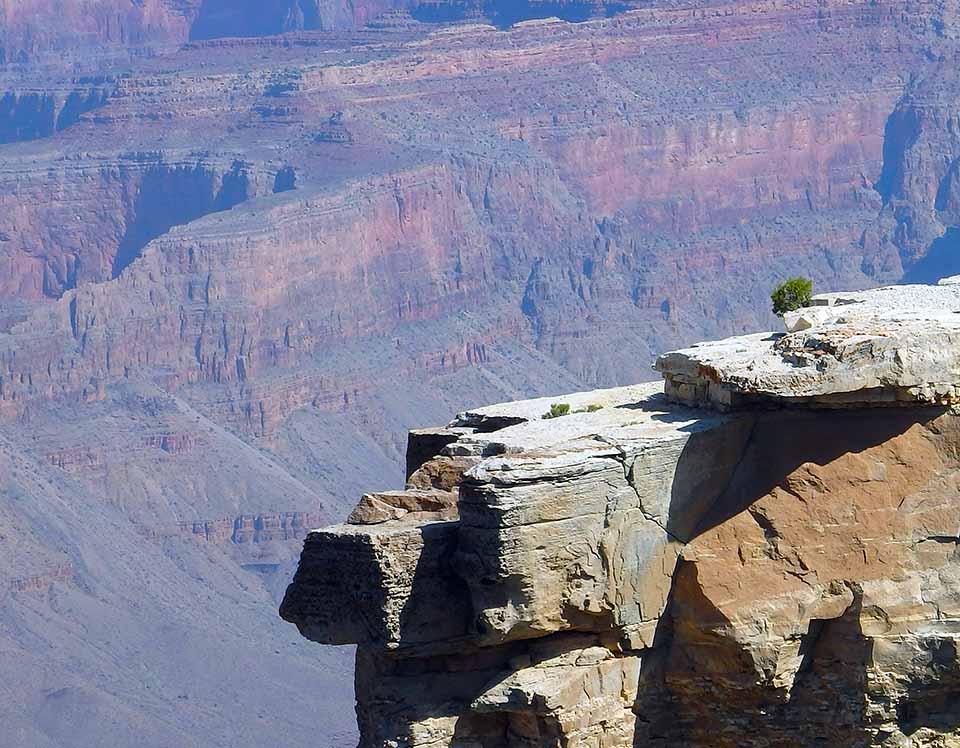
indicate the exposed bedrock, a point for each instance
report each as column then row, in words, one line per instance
column 27, row 115
column 920, row 181
column 893, row 346
column 88, row 222
column 241, row 217
column 323, row 237
column 639, row 573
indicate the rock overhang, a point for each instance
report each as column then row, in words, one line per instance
column 599, row 482
column 657, row 453
column 897, row 345
column 543, row 576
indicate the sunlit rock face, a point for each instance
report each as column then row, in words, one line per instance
column 895, row 345
column 626, row 570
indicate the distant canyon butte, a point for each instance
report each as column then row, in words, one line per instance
column 245, row 245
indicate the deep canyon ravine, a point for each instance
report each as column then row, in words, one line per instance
column 241, row 253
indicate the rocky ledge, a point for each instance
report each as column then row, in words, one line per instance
column 635, row 571
column 897, row 345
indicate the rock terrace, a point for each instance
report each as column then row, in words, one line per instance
column 894, row 345
column 640, row 572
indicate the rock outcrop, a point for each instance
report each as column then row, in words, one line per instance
column 235, row 270
column 893, row 345
column 635, row 571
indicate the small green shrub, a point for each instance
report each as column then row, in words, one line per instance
column 593, row 408
column 557, row 410
column 791, row 295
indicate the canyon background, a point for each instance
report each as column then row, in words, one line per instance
column 244, row 246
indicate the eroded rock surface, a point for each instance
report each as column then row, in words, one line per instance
column 893, row 345
column 639, row 572
column 236, row 267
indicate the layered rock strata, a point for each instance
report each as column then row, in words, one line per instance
column 640, row 572
column 208, row 204
column 233, row 272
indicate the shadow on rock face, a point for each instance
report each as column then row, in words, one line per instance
column 780, row 443
column 941, row 260
column 173, row 195
column 699, row 688
column 738, row 658
column 933, row 701
column 381, row 590
column 434, row 581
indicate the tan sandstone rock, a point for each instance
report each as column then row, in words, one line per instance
column 646, row 573
column 899, row 344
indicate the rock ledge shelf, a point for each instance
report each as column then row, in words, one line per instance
column 893, row 345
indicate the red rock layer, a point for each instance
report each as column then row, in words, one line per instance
column 553, row 217
column 40, row 582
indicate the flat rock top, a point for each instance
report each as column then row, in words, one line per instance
column 639, row 411
column 893, row 344
column 515, row 438
column 895, row 302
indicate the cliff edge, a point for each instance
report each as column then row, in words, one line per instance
column 762, row 552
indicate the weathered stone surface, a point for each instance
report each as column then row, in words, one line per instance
column 314, row 241
column 584, row 533
column 894, row 345
column 646, row 573
column 442, row 472
column 375, row 508
column 379, row 585
column 573, row 690
column 828, row 607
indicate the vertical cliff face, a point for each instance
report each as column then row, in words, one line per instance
column 919, row 182
column 131, row 200
column 643, row 572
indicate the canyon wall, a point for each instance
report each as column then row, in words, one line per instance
column 234, row 271
column 638, row 572
column 41, row 29
column 31, row 29
column 148, row 252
